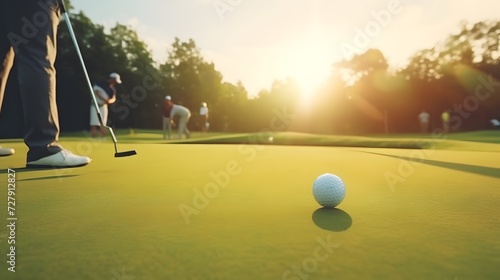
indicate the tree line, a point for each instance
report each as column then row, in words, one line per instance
column 362, row 95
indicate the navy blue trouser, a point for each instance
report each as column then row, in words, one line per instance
column 28, row 36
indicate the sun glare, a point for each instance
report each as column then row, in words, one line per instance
column 310, row 63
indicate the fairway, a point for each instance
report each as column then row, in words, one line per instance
column 234, row 211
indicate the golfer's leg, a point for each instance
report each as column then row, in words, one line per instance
column 35, row 46
column 169, row 129
column 182, row 126
column 164, row 128
column 186, row 130
column 180, row 130
column 104, row 114
column 7, row 58
column 6, row 52
column 94, row 122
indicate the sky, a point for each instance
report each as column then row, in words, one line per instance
column 259, row 41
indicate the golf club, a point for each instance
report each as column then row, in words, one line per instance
column 77, row 47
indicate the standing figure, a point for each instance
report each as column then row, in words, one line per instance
column 495, row 123
column 105, row 94
column 167, row 121
column 204, row 117
column 424, row 121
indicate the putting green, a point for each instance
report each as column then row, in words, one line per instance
column 246, row 212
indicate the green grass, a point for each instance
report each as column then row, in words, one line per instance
column 408, row 213
column 475, row 141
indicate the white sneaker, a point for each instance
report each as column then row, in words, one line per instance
column 6, row 151
column 62, row 159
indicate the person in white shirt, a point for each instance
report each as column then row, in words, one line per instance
column 495, row 123
column 167, row 121
column 204, row 117
column 105, row 93
column 424, row 121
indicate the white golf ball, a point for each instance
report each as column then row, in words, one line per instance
column 328, row 190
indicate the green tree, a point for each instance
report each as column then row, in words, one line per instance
column 142, row 91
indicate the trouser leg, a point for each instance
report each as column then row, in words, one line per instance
column 167, row 127
column 6, row 52
column 182, row 126
column 183, row 129
column 186, row 129
column 33, row 35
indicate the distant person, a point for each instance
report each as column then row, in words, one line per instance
column 105, row 94
column 445, row 118
column 35, row 55
column 495, row 123
column 183, row 114
column 424, row 121
column 204, row 117
column 167, row 121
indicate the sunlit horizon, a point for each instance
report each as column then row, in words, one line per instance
column 258, row 42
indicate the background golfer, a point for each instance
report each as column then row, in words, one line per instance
column 105, row 94
column 167, row 121
column 183, row 114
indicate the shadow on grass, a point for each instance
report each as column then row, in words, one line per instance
column 22, row 169
column 332, row 219
column 28, row 169
column 469, row 168
column 60, row 177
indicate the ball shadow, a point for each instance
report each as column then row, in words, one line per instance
column 332, row 219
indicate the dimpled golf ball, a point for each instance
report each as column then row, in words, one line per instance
column 328, row 190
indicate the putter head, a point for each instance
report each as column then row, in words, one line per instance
column 126, row 153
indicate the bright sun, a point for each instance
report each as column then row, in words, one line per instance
column 310, row 64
